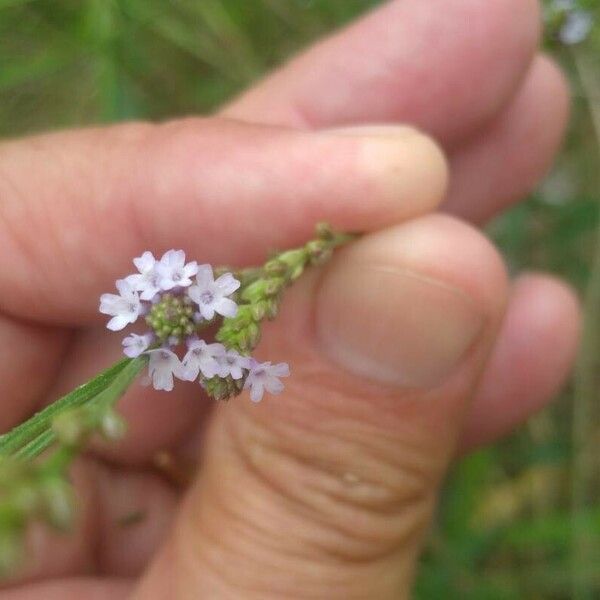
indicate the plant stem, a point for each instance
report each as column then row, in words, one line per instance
column 101, row 402
column 587, row 379
column 29, row 430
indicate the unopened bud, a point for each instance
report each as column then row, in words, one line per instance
column 112, row 425
column 71, row 427
column 59, row 504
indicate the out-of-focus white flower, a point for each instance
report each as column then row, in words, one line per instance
column 576, row 28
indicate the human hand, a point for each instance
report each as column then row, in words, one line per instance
column 323, row 492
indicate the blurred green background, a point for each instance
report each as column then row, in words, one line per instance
column 518, row 520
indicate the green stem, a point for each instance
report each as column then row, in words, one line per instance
column 29, row 430
column 98, row 404
column 586, row 385
column 108, row 397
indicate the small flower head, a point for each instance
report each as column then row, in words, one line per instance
column 265, row 376
column 202, row 358
column 164, row 365
column 212, row 296
column 134, row 345
column 176, row 310
column 124, row 308
column 174, row 272
column 172, row 318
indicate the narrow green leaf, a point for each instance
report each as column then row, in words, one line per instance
column 29, row 430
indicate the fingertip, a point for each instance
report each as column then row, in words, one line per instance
column 406, row 305
column 554, row 308
column 407, row 168
column 532, row 359
column 508, row 158
column 369, row 71
column 554, row 85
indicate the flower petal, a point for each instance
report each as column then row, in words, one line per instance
column 173, row 258
column 125, row 288
column 227, row 284
column 145, row 262
column 118, row 322
column 204, row 277
column 109, row 303
column 281, row 369
column 273, row 385
column 190, row 270
column 225, row 307
column 257, row 391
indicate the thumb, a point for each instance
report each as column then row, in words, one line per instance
column 325, row 492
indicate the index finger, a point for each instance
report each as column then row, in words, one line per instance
column 78, row 206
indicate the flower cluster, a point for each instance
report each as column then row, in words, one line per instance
column 177, row 301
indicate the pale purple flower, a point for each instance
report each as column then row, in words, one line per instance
column 134, row 345
column 232, row 364
column 212, row 296
column 163, row 366
column 576, row 28
column 124, row 308
column 147, row 280
column 202, row 358
column 265, row 377
column 174, row 272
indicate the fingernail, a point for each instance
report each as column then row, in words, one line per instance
column 395, row 326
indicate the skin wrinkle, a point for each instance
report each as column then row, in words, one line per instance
column 378, row 441
column 386, row 499
column 295, row 563
column 295, row 568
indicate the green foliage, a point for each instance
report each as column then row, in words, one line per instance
column 505, row 525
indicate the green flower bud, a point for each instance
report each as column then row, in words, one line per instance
column 71, row 427
column 173, row 316
column 274, row 286
column 259, row 310
column 59, row 503
column 112, row 425
column 319, row 251
column 275, row 268
column 255, row 291
column 324, row 231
